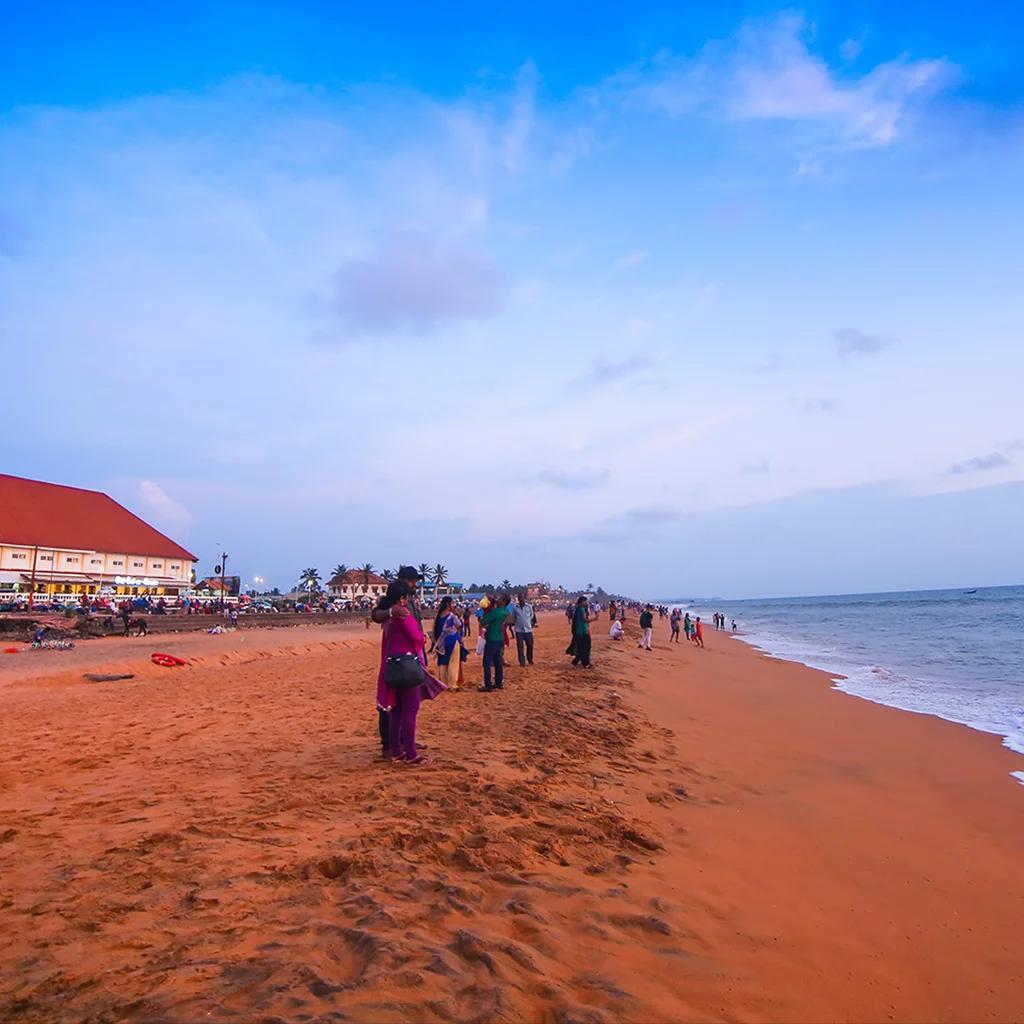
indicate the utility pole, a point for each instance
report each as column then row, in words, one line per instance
column 223, row 578
column 32, row 583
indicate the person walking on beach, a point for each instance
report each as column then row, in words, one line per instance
column 524, row 620
column 647, row 626
column 674, row 622
column 403, row 638
column 493, row 625
column 698, row 633
column 579, row 648
column 448, row 648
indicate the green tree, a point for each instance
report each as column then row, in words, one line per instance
column 439, row 574
column 424, row 570
column 310, row 580
column 339, row 570
column 366, row 570
column 506, row 585
column 388, row 574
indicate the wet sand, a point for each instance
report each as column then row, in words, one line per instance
column 682, row 835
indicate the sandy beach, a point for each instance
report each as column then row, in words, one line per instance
column 682, row 835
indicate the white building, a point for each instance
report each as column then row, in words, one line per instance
column 59, row 543
column 357, row 587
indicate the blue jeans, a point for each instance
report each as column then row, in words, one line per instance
column 494, row 651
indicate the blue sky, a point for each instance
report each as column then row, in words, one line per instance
column 680, row 299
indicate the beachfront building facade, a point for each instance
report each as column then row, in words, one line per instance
column 62, row 544
column 357, row 586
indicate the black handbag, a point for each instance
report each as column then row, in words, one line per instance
column 403, row 671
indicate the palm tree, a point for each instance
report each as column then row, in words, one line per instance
column 439, row 576
column 424, row 570
column 339, row 570
column 506, row 585
column 310, row 580
column 366, row 570
column 388, row 574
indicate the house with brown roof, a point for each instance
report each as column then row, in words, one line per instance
column 60, row 543
column 357, row 586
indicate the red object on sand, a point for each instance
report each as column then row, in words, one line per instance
column 10, row 650
column 167, row 660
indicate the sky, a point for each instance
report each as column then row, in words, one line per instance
column 680, row 299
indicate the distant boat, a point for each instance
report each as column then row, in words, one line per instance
column 970, row 592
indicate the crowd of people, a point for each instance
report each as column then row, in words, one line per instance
column 404, row 679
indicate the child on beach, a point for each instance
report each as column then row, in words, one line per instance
column 698, row 633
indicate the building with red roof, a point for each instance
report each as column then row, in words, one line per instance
column 65, row 542
column 356, row 585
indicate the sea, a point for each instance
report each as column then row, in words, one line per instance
column 957, row 654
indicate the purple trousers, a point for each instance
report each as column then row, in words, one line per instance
column 402, row 723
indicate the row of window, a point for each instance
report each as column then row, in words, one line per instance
column 19, row 556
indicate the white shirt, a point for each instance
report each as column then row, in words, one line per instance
column 524, row 617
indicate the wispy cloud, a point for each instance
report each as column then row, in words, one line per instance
column 159, row 506
column 767, row 71
column 573, row 480
column 758, row 468
column 852, row 343
column 605, row 371
column 819, row 405
column 412, row 282
column 632, row 259
column 979, row 464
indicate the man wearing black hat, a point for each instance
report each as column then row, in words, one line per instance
column 407, row 577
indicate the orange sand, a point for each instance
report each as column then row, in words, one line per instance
column 683, row 835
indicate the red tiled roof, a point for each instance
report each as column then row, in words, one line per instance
column 356, row 576
column 52, row 515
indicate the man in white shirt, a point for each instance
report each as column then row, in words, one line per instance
column 524, row 629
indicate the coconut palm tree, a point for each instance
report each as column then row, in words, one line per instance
column 424, row 570
column 389, row 574
column 506, row 585
column 366, row 570
column 339, row 570
column 310, row 580
column 439, row 575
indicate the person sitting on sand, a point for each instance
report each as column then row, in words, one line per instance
column 403, row 635
column 616, row 632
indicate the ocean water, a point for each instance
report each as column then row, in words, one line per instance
column 956, row 654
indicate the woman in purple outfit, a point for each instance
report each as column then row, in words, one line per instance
column 403, row 635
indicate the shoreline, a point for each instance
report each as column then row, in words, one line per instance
column 836, row 677
column 687, row 834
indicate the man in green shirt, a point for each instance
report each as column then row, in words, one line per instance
column 494, row 642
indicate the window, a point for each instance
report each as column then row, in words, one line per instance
column 19, row 555
column 136, row 565
column 46, row 558
column 175, row 567
column 71, row 558
column 158, row 565
column 95, row 561
column 117, row 561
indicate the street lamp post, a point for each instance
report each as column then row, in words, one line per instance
column 222, row 571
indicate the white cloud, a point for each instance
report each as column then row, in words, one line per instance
column 767, row 71
column 850, row 49
column 852, row 342
column 158, row 506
